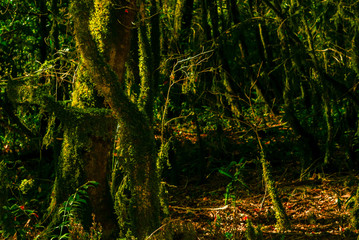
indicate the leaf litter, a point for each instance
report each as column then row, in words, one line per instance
column 318, row 208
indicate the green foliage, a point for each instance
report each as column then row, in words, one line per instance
column 219, row 69
column 26, row 185
column 69, row 212
column 17, row 216
column 236, row 179
column 20, row 221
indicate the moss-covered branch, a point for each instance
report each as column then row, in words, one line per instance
column 21, row 93
column 9, row 112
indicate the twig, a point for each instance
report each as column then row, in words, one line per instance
column 195, row 56
column 201, row 209
column 264, row 197
column 157, row 230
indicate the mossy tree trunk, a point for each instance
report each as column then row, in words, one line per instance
column 43, row 30
column 140, row 211
column 145, row 100
column 182, row 24
column 86, row 149
column 86, row 154
column 324, row 94
column 280, row 214
column 86, row 157
column 150, row 56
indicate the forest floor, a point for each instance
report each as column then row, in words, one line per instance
column 318, row 207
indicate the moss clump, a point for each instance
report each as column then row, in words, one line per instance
column 98, row 24
column 26, row 185
column 85, row 95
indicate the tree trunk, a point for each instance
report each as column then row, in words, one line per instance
column 145, row 100
column 86, row 153
column 86, row 156
column 139, row 213
column 280, row 215
column 183, row 22
column 206, row 27
column 43, row 30
column 133, row 79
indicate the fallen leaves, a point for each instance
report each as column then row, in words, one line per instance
column 320, row 201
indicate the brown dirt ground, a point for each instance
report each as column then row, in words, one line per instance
column 318, row 208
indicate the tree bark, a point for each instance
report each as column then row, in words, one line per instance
column 140, row 214
column 280, row 214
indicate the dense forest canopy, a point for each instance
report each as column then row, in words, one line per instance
column 109, row 108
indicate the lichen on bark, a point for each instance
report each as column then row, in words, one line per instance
column 280, row 214
column 140, row 213
column 86, row 156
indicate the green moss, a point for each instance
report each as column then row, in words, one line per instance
column 100, row 19
column 84, row 94
column 138, row 207
column 49, row 136
column 281, row 217
column 144, row 71
column 122, row 209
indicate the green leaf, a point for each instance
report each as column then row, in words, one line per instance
column 82, row 192
column 65, row 236
column 94, row 183
column 82, row 201
column 225, row 173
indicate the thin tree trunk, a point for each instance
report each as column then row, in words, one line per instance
column 206, row 27
column 43, row 30
column 54, row 33
column 280, row 214
column 156, row 47
column 145, row 100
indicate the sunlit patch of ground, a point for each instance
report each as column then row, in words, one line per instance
column 318, row 209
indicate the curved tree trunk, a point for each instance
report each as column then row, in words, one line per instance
column 140, row 211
